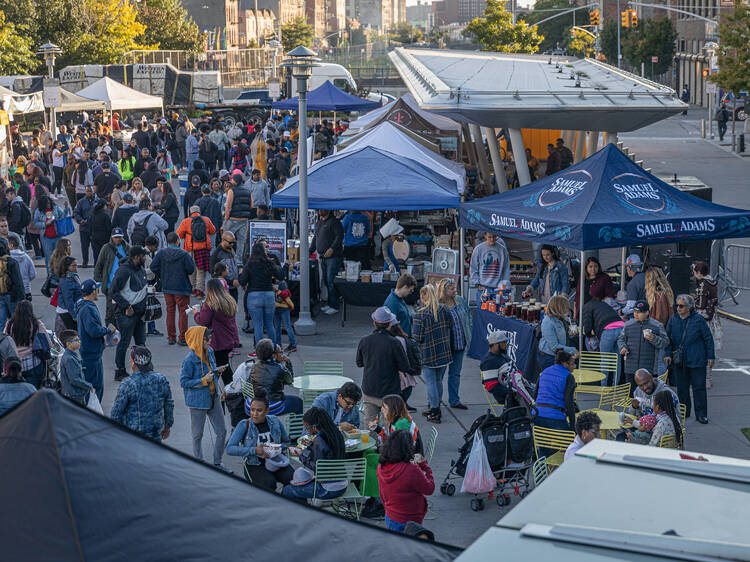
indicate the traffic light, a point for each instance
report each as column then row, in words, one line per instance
column 625, row 18
column 594, row 18
column 633, row 18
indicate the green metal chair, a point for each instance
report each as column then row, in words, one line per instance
column 308, row 397
column 293, row 425
column 248, row 390
column 431, row 442
column 540, row 471
column 323, row 368
column 351, row 470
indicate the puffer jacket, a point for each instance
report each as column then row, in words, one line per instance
column 173, row 266
column 271, row 376
column 642, row 354
column 698, row 345
column 129, row 283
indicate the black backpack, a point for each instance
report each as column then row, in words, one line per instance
column 198, row 229
column 140, row 232
column 25, row 213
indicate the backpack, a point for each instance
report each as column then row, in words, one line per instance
column 4, row 276
column 140, row 232
column 198, row 229
column 25, row 213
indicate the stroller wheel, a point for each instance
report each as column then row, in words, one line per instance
column 502, row 500
column 450, row 489
column 443, row 488
column 477, row 504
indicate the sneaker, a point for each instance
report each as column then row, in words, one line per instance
column 331, row 311
column 121, row 374
column 155, row 333
column 459, row 406
column 183, row 343
column 226, row 469
column 411, row 408
column 427, row 413
column 251, row 354
column 325, row 309
column 171, row 341
column 373, row 509
column 290, row 349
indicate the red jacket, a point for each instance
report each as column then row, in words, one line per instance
column 403, row 487
column 185, row 232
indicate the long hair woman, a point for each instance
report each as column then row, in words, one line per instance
column 431, row 329
column 554, row 332
column 23, row 327
column 594, row 276
column 659, row 295
column 665, row 409
column 69, row 291
column 62, row 250
column 327, row 444
column 257, row 277
column 706, row 301
column 217, row 314
column 168, row 205
column 460, row 336
column 395, row 416
column 44, row 219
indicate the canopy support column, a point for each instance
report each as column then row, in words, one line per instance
column 519, row 155
column 580, row 137
column 593, row 142
column 610, row 137
column 484, row 166
column 461, row 260
column 581, row 282
column 497, row 163
column 569, row 138
column 623, row 273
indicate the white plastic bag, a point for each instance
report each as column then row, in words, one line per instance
column 478, row 478
column 94, row 404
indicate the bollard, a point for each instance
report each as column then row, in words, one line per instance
column 703, row 128
column 734, row 142
column 741, row 147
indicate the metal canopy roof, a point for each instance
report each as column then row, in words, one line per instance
column 532, row 91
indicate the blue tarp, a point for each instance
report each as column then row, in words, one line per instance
column 371, row 179
column 328, row 98
column 605, row 201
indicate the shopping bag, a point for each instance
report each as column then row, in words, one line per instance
column 53, row 301
column 64, row 226
column 478, row 478
column 153, row 309
column 94, row 404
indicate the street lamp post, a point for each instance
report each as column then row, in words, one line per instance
column 49, row 51
column 300, row 62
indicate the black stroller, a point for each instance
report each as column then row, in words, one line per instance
column 508, row 441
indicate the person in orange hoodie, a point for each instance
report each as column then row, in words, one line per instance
column 197, row 241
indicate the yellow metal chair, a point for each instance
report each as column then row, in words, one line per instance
column 663, row 378
column 495, row 406
column 614, row 396
column 597, row 361
column 324, row 368
column 668, row 442
column 557, row 439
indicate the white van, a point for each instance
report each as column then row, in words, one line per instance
column 337, row 74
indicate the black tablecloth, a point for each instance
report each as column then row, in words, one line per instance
column 356, row 293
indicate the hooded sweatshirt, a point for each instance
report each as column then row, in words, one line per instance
column 403, row 487
column 28, row 271
column 173, row 266
column 156, row 226
column 199, row 363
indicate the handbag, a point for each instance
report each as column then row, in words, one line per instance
column 677, row 353
column 153, row 309
column 64, row 226
column 49, row 284
column 54, row 300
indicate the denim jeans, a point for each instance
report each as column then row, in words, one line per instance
column 392, row 525
column 48, row 246
column 291, row 404
column 93, row 372
column 35, row 376
column 282, row 316
column 331, row 268
column 454, row 377
column 131, row 327
column 433, row 376
column 608, row 344
column 303, row 491
column 7, row 308
column 262, row 306
column 695, row 378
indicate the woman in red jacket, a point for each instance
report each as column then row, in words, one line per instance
column 404, row 480
column 217, row 314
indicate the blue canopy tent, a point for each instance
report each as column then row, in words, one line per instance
column 328, row 97
column 604, row 201
column 371, row 179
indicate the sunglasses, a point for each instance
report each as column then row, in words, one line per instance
column 681, row 306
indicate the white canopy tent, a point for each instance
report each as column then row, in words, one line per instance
column 21, row 103
column 388, row 137
column 74, row 102
column 118, row 96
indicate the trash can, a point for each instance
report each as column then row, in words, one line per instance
column 183, row 179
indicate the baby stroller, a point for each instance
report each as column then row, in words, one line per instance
column 508, row 441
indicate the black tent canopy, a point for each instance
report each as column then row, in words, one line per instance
column 75, row 485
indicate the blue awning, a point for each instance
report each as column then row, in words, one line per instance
column 328, row 97
column 605, row 201
column 371, row 179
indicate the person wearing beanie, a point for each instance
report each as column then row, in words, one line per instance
column 144, row 400
column 602, row 322
column 199, row 383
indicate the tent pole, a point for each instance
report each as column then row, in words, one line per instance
column 580, row 304
column 622, row 269
column 519, row 155
column 497, row 162
column 461, row 258
column 580, row 139
column 484, row 166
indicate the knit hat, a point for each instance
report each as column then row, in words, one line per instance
column 498, row 336
column 382, row 315
column 647, row 423
column 140, row 355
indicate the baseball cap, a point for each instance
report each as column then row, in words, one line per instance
column 195, row 209
column 163, row 122
column 140, row 355
column 223, row 173
column 382, row 315
column 634, row 260
column 127, row 197
column 498, row 337
column 641, row 306
column 287, row 134
column 89, row 286
column 117, row 233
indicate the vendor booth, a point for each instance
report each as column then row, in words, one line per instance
column 327, row 97
column 605, row 201
column 118, row 96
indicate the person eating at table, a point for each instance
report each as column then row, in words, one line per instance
column 643, row 397
column 341, row 405
column 249, row 438
column 496, row 365
column 667, row 423
column 395, row 416
column 587, row 429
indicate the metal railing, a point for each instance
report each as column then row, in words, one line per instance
column 734, row 272
column 221, row 60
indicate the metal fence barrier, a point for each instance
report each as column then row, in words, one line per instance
column 734, row 275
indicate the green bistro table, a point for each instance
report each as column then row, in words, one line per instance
column 320, row 383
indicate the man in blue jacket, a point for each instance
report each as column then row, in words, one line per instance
column 341, row 405
column 82, row 214
column 173, row 266
column 91, row 330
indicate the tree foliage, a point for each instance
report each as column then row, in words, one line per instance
column 169, row 26
column 496, row 31
column 406, row 33
column 555, row 31
column 734, row 58
column 582, row 45
column 653, row 38
column 16, row 56
column 296, row 33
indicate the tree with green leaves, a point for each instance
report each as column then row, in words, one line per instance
column 169, row 26
column 496, row 31
column 581, row 44
column 16, row 56
column 734, row 57
column 556, row 31
column 405, row 33
column 653, row 38
column 296, row 33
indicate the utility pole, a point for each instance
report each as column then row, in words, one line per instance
column 619, row 24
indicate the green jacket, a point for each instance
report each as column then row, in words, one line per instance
column 104, row 264
column 127, row 168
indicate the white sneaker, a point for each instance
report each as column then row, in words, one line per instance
column 325, row 309
column 331, row 310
